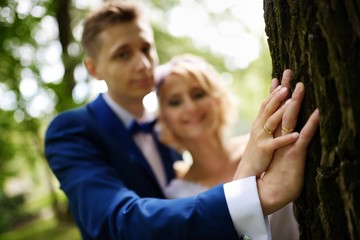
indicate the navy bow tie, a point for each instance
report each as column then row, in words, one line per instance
column 146, row 127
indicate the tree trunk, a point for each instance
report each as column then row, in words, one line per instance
column 320, row 41
column 63, row 92
column 65, row 88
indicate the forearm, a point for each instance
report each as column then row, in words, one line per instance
column 127, row 216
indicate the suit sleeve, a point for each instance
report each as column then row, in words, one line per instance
column 105, row 208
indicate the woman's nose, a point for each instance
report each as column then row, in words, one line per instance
column 190, row 105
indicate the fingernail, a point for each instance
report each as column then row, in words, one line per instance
column 298, row 86
column 278, row 88
column 283, row 90
column 295, row 135
column 287, row 73
column 274, row 82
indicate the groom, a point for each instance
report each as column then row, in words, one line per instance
column 113, row 177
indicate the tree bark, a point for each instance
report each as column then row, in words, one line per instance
column 320, row 41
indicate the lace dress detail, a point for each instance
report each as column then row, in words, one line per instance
column 178, row 188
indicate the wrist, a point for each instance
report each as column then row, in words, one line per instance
column 270, row 197
column 244, row 170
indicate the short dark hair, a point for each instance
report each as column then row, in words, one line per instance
column 109, row 14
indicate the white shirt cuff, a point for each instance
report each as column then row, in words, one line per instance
column 245, row 210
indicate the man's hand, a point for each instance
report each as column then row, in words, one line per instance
column 284, row 178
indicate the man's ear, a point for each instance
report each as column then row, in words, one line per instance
column 90, row 65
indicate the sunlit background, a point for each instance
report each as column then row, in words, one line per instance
column 237, row 37
column 39, row 78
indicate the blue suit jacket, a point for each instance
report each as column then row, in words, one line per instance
column 112, row 192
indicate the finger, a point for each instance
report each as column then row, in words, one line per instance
column 282, row 141
column 285, row 82
column 274, row 120
column 274, row 84
column 289, row 119
column 267, row 100
column 286, row 78
column 274, row 103
column 309, row 129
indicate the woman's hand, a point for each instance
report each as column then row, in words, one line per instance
column 284, row 167
column 273, row 111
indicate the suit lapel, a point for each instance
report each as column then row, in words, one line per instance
column 114, row 126
column 167, row 159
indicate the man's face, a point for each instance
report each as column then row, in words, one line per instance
column 126, row 59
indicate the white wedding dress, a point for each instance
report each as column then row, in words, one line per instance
column 283, row 224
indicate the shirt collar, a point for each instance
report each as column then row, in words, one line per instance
column 126, row 117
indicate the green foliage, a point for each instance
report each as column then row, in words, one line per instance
column 165, row 4
column 19, row 143
column 43, row 230
column 169, row 46
column 11, row 210
column 7, row 148
column 21, row 57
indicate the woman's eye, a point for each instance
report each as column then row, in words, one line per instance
column 174, row 102
column 198, row 94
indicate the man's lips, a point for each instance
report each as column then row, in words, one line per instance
column 144, row 81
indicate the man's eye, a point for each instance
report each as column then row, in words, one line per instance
column 123, row 55
column 146, row 50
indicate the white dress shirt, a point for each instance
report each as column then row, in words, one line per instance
column 245, row 210
column 241, row 195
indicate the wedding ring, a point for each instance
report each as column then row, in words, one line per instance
column 268, row 131
column 289, row 130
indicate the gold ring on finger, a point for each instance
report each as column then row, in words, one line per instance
column 289, row 130
column 268, row 131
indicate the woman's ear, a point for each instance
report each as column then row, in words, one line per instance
column 90, row 65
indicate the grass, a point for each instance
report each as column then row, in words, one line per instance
column 41, row 223
column 43, row 229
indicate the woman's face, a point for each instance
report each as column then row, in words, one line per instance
column 187, row 108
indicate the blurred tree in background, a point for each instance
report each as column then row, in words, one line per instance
column 41, row 74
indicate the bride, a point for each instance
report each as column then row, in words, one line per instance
column 194, row 111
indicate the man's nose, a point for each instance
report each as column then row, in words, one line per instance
column 143, row 62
